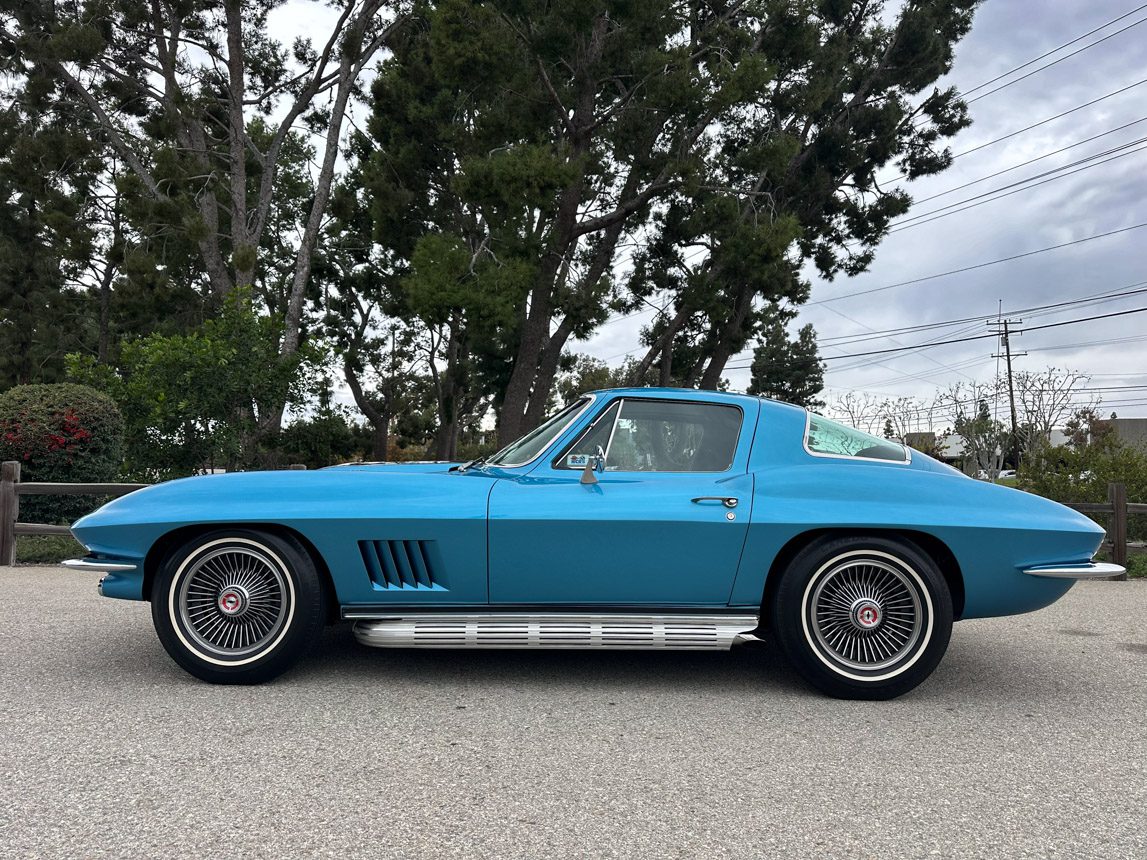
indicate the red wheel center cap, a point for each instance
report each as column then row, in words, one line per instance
column 232, row 601
column 867, row 615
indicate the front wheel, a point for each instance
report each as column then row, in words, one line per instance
column 862, row 618
column 238, row 606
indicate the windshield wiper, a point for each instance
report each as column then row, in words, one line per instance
column 469, row 464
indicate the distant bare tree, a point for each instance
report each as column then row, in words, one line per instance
column 968, row 406
column 858, row 409
column 1046, row 399
column 910, row 414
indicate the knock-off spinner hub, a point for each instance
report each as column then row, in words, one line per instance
column 866, row 614
column 233, row 600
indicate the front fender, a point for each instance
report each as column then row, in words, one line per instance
column 333, row 509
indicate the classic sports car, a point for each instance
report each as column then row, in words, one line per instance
column 634, row 518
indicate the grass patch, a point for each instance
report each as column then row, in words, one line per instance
column 46, row 549
column 1137, row 565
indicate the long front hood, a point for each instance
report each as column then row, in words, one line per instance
column 297, row 499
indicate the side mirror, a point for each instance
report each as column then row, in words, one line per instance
column 594, row 463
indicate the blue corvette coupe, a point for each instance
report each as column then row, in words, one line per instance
column 634, row 518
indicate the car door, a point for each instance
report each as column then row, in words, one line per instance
column 663, row 525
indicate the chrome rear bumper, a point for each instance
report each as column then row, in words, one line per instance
column 1093, row 570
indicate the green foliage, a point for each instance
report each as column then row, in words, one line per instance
column 63, row 433
column 585, row 373
column 48, row 549
column 202, row 399
column 1137, row 565
column 985, row 439
column 47, row 167
column 325, row 439
column 1081, row 474
column 787, row 368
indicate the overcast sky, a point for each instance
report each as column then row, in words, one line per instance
column 1097, row 199
column 1102, row 198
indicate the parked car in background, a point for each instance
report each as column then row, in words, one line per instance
column 1007, row 473
column 633, row 518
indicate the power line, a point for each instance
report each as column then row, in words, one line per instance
column 1035, row 125
column 1084, row 319
column 977, row 265
column 969, row 338
column 1059, row 60
column 1054, row 50
column 1035, row 310
column 917, row 202
column 1055, row 174
column 1049, row 119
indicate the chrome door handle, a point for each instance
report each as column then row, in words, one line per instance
column 727, row 501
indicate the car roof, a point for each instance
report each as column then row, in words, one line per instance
column 696, row 394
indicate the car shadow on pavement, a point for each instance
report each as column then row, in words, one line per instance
column 747, row 667
column 973, row 671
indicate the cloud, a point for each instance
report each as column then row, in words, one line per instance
column 1006, row 34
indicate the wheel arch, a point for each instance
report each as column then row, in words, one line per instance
column 929, row 544
column 170, row 540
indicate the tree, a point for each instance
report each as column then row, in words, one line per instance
column 47, row 174
column 791, row 175
column 788, row 369
column 1082, row 474
column 582, row 373
column 985, row 439
column 172, row 88
column 1046, row 399
column 858, row 409
column 530, row 150
column 1087, row 427
column 195, row 401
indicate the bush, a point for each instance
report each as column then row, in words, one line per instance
column 1082, row 473
column 65, row 432
column 323, row 440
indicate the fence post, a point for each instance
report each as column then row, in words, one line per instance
column 9, row 511
column 1117, row 496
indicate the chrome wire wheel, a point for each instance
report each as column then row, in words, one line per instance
column 866, row 612
column 232, row 600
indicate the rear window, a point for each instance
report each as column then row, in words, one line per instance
column 830, row 439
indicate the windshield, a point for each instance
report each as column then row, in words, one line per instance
column 537, row 440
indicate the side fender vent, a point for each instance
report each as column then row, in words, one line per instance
column 402, row 564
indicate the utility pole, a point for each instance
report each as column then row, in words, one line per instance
column 1003, row 330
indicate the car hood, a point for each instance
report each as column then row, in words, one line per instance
column 407, row 468
column 291, row 498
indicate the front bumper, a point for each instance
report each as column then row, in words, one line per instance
column 1092, row 570
column 122, row 579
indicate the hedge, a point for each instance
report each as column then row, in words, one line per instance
column 63, row 432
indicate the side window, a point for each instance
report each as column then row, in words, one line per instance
column 578, row 454
column 660, row 436
column 828, row 437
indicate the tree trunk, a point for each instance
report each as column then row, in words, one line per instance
column 379, row 418
column 723, row 349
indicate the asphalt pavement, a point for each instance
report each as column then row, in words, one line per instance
column 1030, row 740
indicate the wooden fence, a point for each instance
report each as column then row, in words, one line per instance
column 1116, row 508
column 12, row 488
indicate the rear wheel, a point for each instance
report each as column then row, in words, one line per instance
column 237, row 606
column 862, row 617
